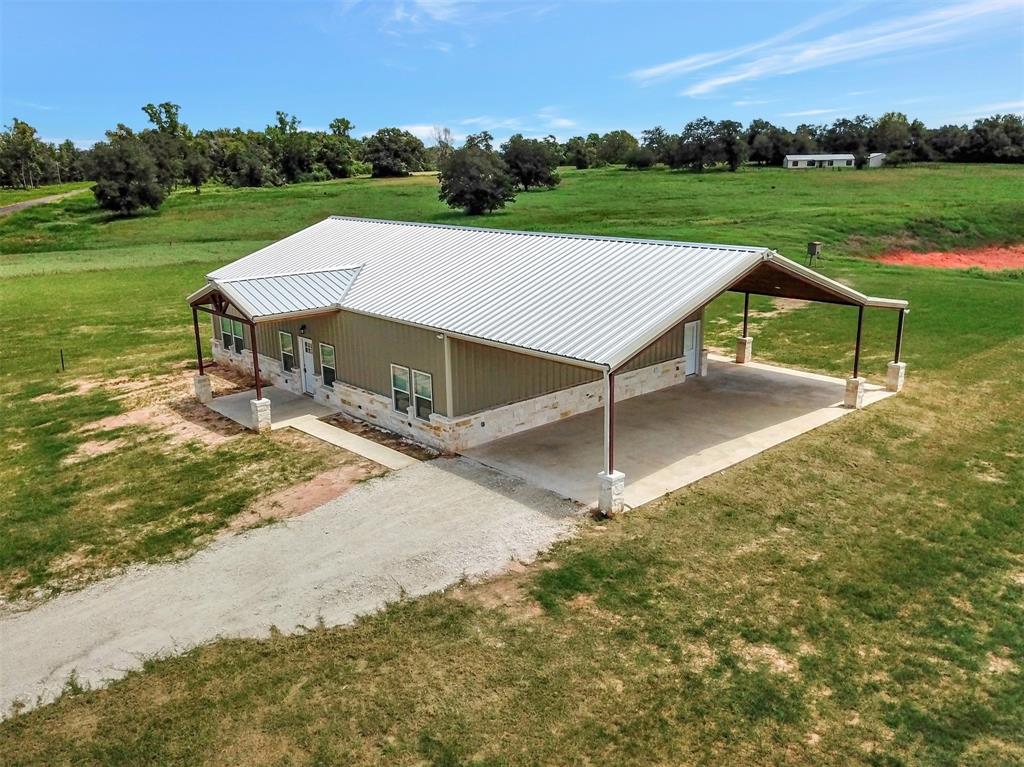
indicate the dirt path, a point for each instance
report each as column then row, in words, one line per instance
column 7, row 210
column 409, row 533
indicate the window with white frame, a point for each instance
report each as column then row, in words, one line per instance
column 287, row 351
column 400, row 397
column 849, row 163
column 423, row 389
column 327, row 369
column 231, row 334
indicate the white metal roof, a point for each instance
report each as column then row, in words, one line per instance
column 820, row 157
column 274, row 295
column 597, row 300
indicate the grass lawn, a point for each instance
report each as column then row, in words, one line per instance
column 11, row 196
column 855, row 596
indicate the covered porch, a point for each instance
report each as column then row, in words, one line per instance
column 675, row 436
column 284, row 407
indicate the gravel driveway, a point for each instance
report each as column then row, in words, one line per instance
column 414, row 531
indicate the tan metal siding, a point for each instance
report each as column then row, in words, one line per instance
column 485, row 376
column 364, row 349
column 668, row 347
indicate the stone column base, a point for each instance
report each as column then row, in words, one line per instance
column 260, row 415
column 611, row 495
column 744, row 349
column 854, row 398
column 203, row 387
column 703, row 370
column 895, row 373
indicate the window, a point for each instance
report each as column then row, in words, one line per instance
column 423, row 385
column 287, row 351
column 231, row 334
column 810, row 163
column 830, row 163
column 849, row 162
column 327, row 369
column 400, row 388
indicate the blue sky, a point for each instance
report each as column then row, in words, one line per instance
column 538, row 67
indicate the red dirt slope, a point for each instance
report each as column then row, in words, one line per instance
column 1010, row 257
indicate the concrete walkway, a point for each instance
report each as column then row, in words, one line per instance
column 675, row 436
column 367, row 448
column 413, row 531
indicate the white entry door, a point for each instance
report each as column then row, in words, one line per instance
column 308, row 371
column 691, row 347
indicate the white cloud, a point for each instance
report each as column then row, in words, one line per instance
column 693, row 63
column 812, row 112
column 987, row 110
column 752, row 102
column 440, row 45
column 867, row 41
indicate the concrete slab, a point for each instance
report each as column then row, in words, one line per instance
column 367, row 448
column 285, row 407
column 670, row 438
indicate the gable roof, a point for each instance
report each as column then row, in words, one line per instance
column 595, row 300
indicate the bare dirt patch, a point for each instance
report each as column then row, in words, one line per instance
column 992, row 259
column 764, row 655
column 504, row 592
column 382, row 437
column 165, row 406
column 298, row 499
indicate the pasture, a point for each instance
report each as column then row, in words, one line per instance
column 854, row 596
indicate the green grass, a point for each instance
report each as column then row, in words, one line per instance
column 11, row 196
column 855, row 596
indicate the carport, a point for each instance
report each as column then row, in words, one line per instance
column 672, row 437
column 727, row 412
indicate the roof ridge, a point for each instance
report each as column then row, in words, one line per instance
column 561, row 235
column 352, row 268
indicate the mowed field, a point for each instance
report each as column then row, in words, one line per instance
column 855, row 596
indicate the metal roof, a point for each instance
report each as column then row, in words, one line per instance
column 820, row 157
column 596, row 300
column 264, row 297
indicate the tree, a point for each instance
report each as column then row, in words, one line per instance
column 292, row 148
column 640, row 158
column 394, row 152
column 21, row 155
column 697, row 146
column 732, row 143
column 531, row 162
column 125, row 173
column 166, row 142
column 196, row 165
column 475, row 178
column 949, row 142
column 660, row 142
column 890, row 133
column 999, row 138
column 579, row 153
column 614, row 147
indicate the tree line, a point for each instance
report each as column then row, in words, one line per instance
column 134, row 169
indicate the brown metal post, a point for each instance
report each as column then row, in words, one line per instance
column 255, row 362
column 746, row 312
column 199, row 343
column 899, row 337
column 856, row 349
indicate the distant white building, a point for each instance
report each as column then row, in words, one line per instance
column 876, row 159
column 819, row 161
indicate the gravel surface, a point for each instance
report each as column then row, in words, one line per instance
column 413, row 531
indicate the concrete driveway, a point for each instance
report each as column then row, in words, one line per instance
column 675, row 436
column 414, row 531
